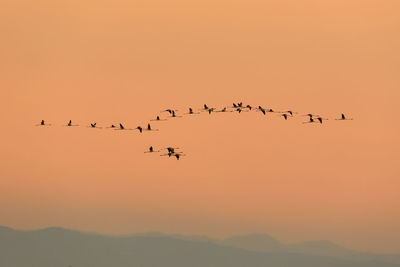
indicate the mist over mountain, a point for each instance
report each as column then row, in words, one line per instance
column 61, row 247
column 266, row 243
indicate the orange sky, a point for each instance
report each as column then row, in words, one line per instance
column 123, row 61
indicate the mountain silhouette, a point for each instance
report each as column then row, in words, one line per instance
column 60, row 247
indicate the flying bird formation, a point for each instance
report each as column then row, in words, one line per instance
column 236, row 107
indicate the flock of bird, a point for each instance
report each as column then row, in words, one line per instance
column 236, row 107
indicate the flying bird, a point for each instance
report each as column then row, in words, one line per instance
column 310, row 115
column 151, row 150
column 69, row 124
column 320, row 119
column 222, row 110
column 158, row 119
column 290, row 112
column 191, row 112
column 239, row 110
column 42, row 123
column 177, row 155
column 261, row 109
column 168, row 110
column 310, row 121
column 149, row 128
column 171, row 149
column 344, row 118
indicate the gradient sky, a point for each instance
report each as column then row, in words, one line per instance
column 124, row 61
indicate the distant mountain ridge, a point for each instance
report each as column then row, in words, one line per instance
column 61, row 247
column 266, row 243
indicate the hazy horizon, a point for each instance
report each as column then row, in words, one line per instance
column 74, row 248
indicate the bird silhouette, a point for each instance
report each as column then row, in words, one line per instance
column 177, row 155
column 121, row 127
column 191, row 112
column 222, row 110
column 310, row 115
column 139, row 128
column 173, row 114
column 151, row 150
column 168, row 110
column 320, row 119
column 93, row 125
column 344, row 118
column 158, row 119
column 310, row 121
column 70, row 124
column 290, row 112
column 43, row 123
column 149, row 128
column 171, row 149
column 285, row 116
column 260, row 108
